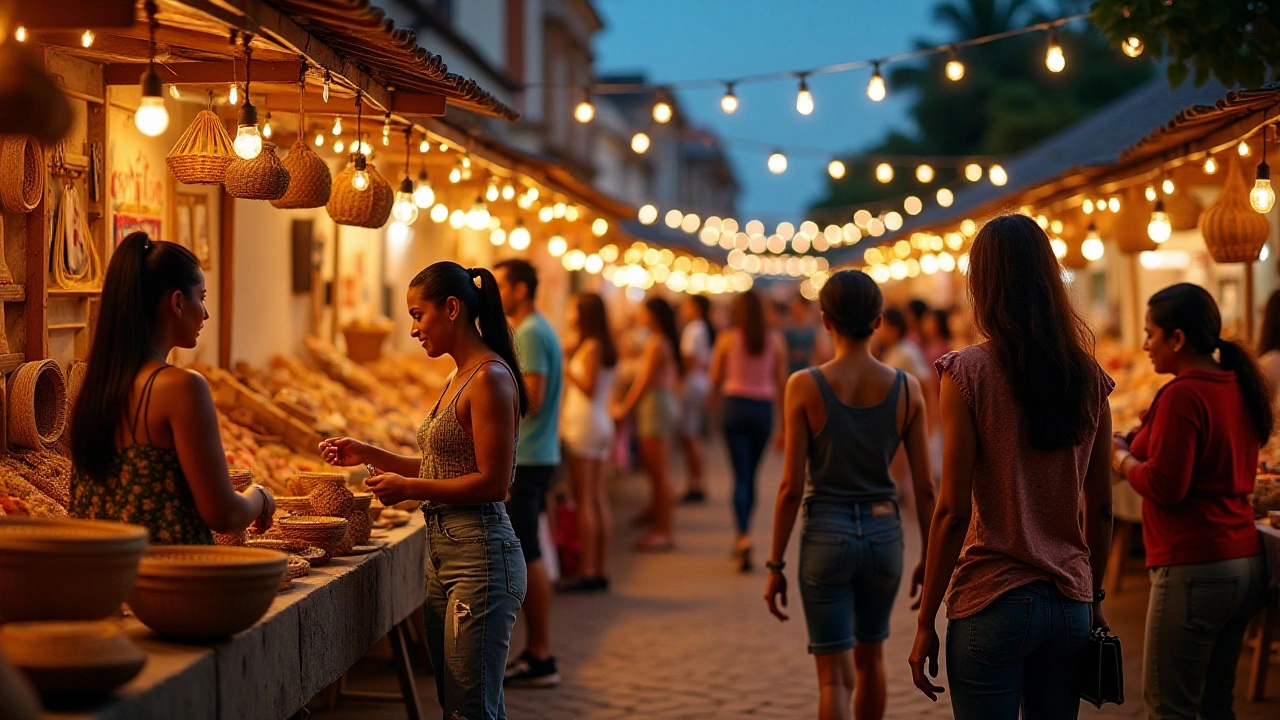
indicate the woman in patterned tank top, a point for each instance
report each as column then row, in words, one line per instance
column 476, row 576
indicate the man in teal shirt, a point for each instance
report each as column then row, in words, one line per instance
column 537, row 459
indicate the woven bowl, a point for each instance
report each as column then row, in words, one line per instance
column 262, row 178
column 79, row 659
column 312, row 554
column 331, row 499
column 230, row 539
column 202, row 154
column 37, row 409
column 362, row 501
column 22, row 173
column 205, row 592
column 309, row 179
column 326, row 533
column 294, row 504
column 64, row 569
column 310, row 481
column 369, row 208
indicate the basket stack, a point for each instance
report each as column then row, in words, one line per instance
column 262, row 178
column 22, row 174
column 294, row 505
column 202, row 154
column 1232, row 231
column 367, row 208
column 37, row 405
column 309, row 179
column 326, row 533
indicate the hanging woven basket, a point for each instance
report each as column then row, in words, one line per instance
column 202, row 154
column 262, row 178
column 22, row 173
column 309, row 179
column 369, row 208
column 37, row 407
column 1184, row 211
column 1232, row 231
column 1129, row 228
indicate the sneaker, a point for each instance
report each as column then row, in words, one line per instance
column 530, row 672
column 693, row 497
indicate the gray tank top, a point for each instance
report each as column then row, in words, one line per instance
column 849, row 457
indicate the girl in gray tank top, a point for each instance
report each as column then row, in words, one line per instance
column 849, row 457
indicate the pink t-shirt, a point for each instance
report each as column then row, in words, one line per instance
column 1026, row 502
column 750, row 376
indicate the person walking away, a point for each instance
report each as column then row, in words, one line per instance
column 145, row 447
column 844, row 423
column 935, row 329
column 917, row 310
column 696, row 340
column 897, row 350
column 1269, row 344
column 587, row 433
column 537, row 458
column 1194, row 460
column 748, row 370
column 801, row 334
column 1027, row 425
column 475, row 574
column 652, row 396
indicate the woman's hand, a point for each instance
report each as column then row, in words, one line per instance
column 926, row 650
column 1120, row 442
column 775, row 594
column 390, row 488
column 917, row 586
column 1100, row 620
column 344, row 451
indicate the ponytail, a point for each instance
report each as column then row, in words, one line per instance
column 1257, row 391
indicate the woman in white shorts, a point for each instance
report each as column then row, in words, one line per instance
column 586, row 429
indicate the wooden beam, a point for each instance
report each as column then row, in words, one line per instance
column 191, row 73
column 74, row 13
column 407, row 105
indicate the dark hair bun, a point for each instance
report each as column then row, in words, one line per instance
column 852, row 301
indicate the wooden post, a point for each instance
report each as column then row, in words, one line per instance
column 226, row 278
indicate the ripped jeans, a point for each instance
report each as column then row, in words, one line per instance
column 476, row 582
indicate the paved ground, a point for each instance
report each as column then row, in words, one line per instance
column 686, row 636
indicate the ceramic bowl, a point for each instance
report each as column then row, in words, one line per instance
column 66, row 659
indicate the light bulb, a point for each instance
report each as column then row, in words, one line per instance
column 508, row 191
column 998, row 176
column 647, row 215
column 1054, row 59
column 913, row 205
column 491, row 193
column 1132, row 46
column 424, row 146
column 924, row 173
column 248, row 142
column 386, row 130
column 876, row 89
column 337, row 127
column 423, row 195
column 497, row 237
column 20, row 34
column 360, row 181
column 836, row 169
column 1059, row 247
column 1113, row 204
column 804, row 99
column 519, row 238
column 599, row 227
column 1262, row 198
column 729, row 102
column 151, row 119
column 405, row 207
column 319, row 139
column 455, row 175
column 1092, row 248
column 233, row 95
column 173, row 92
column 884, row 173
column 556, row 246
column 1150, row 193
column 1167, row 186
column 640, row 143
column 339, row 146
column 662, row 112
column 954, row 69
column 1159, row 229
column 1087, row 208
column 973, row 172
column 945, row 197
column 1243, row 148
column 439, row 213
column 1210, row 165
column 777, row 163
column 324, row 94
column 585, row 111
column 478, row 216
column 457, row 219
column 86, row 40
column 266, row 127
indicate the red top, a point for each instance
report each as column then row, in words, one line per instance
column 1198, row 453
column 1026, row 502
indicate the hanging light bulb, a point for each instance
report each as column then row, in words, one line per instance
column 884, row 173
column 585, row 111
column 248, row 142
column 405, row 208
column 836, row 169
column 662, row 112
column 945, row 197
column 876, row 89
column 924, row 173
column 491, row 193
column 266, row 127
column 20, row 34
column 1087, row 207
column 1159, row 229
column 439, row 213
column 1093, row 248
column 337, row 126
column 954, row 69
column 424, row 146
column 777, row 162
column 360, row 180
column 173, row 92
column 339, row 146
column 640, row 143
column 478, row 216
column 1132, row 46
column 86, row 40
column 319, row 139
column 1210, row 165
column 386, row 129
column 804, row 98
column 519, row 238
column 1243, row 148
column 973, row 172
column 508, row 191
column 997, row 175
column 1167, row 186
column 1113, row 204
column 1150, row 193
column 457, row 219
column 556, row 246
column 729, row 102
column 1262, row 198
column 1054, row 59
column 455, row 175
column 233, row 95
column 423, row 195
column 151, row 119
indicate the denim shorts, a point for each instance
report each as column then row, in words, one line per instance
column 850, row 570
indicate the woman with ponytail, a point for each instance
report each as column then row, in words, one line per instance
column 144, row 435
column 476, row 572
column 1193, row 461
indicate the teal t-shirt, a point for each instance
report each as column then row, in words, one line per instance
column 540, row 354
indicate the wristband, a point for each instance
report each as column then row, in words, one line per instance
column 265, row 499
column 777, row 566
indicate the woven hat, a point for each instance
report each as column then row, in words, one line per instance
column 262, row 178
column 22, row 174
column 367, row 208
column 202, row 154
column 37, row 407
column 309, row 179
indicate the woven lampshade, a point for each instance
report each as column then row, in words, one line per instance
column 1184, row 210
column 309, row 179
column 22, row 173
column 1232, row 231
column 1130, row 225
column 262, row 178
column 369, row 208
column 202, row 154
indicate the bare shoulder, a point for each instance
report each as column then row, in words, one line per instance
column 182, row 382
column 496, row 380
column 917, row 393
column 801, row 386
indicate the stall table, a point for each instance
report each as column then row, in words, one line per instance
column 310, row 637
column 1270, row 615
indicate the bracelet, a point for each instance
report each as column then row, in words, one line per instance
column 266, row 497
column 776, row 566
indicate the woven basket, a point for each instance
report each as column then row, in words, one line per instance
column 202, row 154
column 1232, row 231
column 309, row 482
column 367, row 209
column 294, row 504
column 331, row 499
column 22, row 174
column 241, row 478
column 262, row 178
column 359, row 526
column 229, row 539
column 1184, row 211
column 309, row 179
column 37, row 407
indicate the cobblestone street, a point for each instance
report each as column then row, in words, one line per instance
column 684, row 635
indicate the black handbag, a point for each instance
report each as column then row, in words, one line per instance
column 1100, row 673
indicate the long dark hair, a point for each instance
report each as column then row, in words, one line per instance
column 748, row 318
column 851, row 301
column 142, row 274
column 1191, row 309
column 1270, row 339
column 593, row 323
column 1020, row 303
column 481, row 305
column 666, row 319
column 703, row 303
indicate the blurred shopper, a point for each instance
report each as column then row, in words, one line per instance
column 800, row 329
column 897, row 350
column 935, row 334
column 696, row 340
column 652, row 397
column 1269, row 343
column 1023, row 525
column 475, row 572
column 748, row 370
column 587, row 432
column 1194, row 461
column 844, row 422
column 917, row 311
column 537, row 459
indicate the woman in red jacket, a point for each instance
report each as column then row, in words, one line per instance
column 1193, row 461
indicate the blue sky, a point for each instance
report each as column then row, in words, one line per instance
column 672, row 40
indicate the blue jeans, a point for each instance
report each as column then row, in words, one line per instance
column 850, row 571
column 475, row 584
column 747, row 426
column 1018, row 652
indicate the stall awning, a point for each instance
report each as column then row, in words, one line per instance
column 1197, row 123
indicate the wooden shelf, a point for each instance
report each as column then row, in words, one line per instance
column 68, row 326
column 63, row 292
column 12, row 293
column 11, row 362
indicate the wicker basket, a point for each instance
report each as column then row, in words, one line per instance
column 22, row 174
column 359, row 527
column 1184, row 211
column 309, row 179
column 229, row 539
column 1232, row 231
column 241, row 478
column 262, row 178
column 294, row 504
column 309, row 482
column 37, row 407
column 367, row 209
column 202, row 154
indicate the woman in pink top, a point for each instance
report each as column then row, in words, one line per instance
column 749, row 369
column 1027, row 430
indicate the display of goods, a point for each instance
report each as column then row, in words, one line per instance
column 230, row 539
column 1266, row 494
column 21, row 494
column 271, row 462
column 360, row 526
column 298, row 567
column 205, row 592
column 64, row 569
column 37, row 405
column 312, row 481
column 262, row 178
column 65, row 660
column 395, row 517
column 241, row 478
column 1232, row 231
column 202, row 154
column 368, row 208
column 22, row 173
column 309, row 178
column 294, row 504
column 47, row 471
column 301, row 548
column 331, row 499
column 326, row 533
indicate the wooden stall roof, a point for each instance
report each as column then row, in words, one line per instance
column 1199, row 124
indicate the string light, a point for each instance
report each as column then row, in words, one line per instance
column 424, row 196
column 386, row 129
column 519, row 238
column 729, row 102
column 1167, row 186
column 339, row 146
column 662, row 112
column 913, row 205
column 498, row 237
column 1262, row 198
column 804, row 98
column 266, row 127
column 973, row 172
column 1054, row 59
column 1113, row 204
column 836, row 169
column 20, row 34
column 337, row 126
column 1159, row 228
column 599, row 227
column 876, row 89
column 319, row 139
column 233, row 95
column 640, row 143
column 945, row 197
column 86, row 40
column 998, row 176
column 508, row 191
column 491, row 193
column 585, row 111
column 405, row 207
column 360, row 179
column 1150, row 193
column 884, row 173
column 1132, row 46
column 478, row 216
column 924, row 173
column 556, row 246
column 954, row 69
column 440, row 213
column 1243, row 148
column 173, row 92
column 1087, row 207
column 151, row 119
column 1210, row 165
column 647, row 215
column 777, row 163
